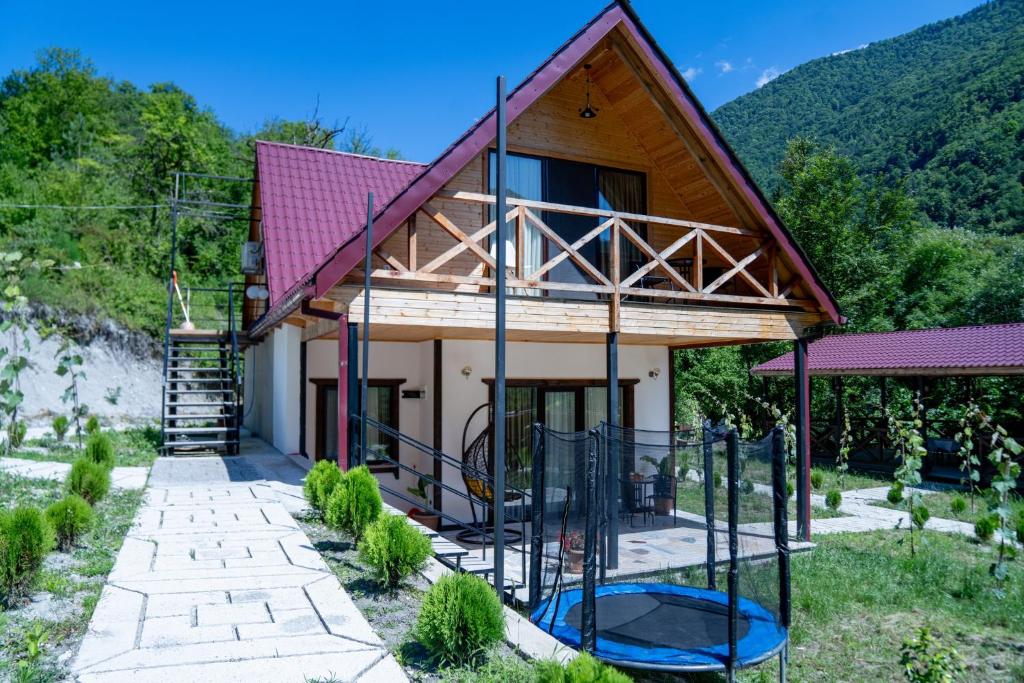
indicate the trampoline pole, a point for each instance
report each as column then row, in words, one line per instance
column 782, row 663
column 588, row 625
column 536, row 517
column 732, row 446
column 709, row 503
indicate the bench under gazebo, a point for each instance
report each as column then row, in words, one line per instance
column 916, row 358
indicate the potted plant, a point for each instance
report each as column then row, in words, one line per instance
column 664, row 483
column 427, row 519
column 572, row 543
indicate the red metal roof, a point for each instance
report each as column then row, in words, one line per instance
column 980, row 350
column 314, row 200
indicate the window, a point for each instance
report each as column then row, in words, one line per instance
column 382, row 406
column 578, row 184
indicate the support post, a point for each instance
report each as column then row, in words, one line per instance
column 345, row 453
column 438, row 423
column 303, row 372
column 499, row 344
column 803, row 440
column 732, row 449
column 365, row 374
column 613, row 454
column 709, row 503
column 837, row 393
column 352, row 334
column 883, row 388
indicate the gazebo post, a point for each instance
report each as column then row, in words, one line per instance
column 883, row 387
column 837, row 392
column 803, row 439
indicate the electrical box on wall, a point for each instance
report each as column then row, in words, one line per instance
column 252, row 258
column 414, row 393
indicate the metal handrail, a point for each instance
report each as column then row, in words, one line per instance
column 430, row 480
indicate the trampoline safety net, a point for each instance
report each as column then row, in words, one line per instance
column 661, row 550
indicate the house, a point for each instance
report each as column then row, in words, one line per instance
column 633, row 229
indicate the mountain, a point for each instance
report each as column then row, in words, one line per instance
column 939, row 108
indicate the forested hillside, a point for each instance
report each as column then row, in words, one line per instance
column 941, row 107
column 74, row 143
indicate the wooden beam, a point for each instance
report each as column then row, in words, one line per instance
column 698, row 261
column 737, row 268
column 412, row 241
column 390, row 260
column 577, row 258
column 435, row 215
column 646, row 248
column 615, row 306
column 744, row 274
column 562, row 255
column 448, row 255
column 672, row 248
column 480, row 198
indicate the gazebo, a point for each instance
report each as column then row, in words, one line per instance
column 918, row 357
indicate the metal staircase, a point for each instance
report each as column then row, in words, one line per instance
column 201, row 405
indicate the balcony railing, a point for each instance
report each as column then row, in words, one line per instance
column 657, row 275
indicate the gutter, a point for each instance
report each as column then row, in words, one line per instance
column 278, row 313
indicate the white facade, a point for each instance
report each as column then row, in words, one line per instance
column 272, row 389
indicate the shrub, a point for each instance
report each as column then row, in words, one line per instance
column 100, row 450
column 320, row 484
column 789, row 489
column 985, row 528
column 716, row 480
column 92, row 425
column 958, row 505
column 583, row 669
column 16, row 431
column 25, row 538
column 1020, row 528
column 394, row 549
column 926, row 660
column 460, row 618
column 895, row 495
column 920, row 516
column 354, row 503
column 833, row 499
column 88, row 479
column 747, row 486
column 70, row 517
column 817, row 479
column 60, row 427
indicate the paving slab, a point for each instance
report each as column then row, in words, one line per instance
column 217, row 582
column 120, row 477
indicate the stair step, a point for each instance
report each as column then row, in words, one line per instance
column 198, row 380
column 199, row 391
column 201, row 404
column 444, row 548
column 179, row 346
column 198, row 416
column 196, row 430
column 175, row 445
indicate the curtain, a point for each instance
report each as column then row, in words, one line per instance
column 524, row 181
column 622, row 191
column 378, row 407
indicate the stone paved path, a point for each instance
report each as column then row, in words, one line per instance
column 216, row 582
column 120, row 477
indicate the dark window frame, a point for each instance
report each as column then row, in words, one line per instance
column 323, row 385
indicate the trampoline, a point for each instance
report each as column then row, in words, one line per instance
column 665, row 627
column 711, row 612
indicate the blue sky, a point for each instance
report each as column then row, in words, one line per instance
column 417, row 73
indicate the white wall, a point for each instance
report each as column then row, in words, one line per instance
column 258, row 408
column 413, row 362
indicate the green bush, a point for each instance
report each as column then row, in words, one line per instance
column 25, row 539
column 716, row 480
column 100, row 450
column 920, row 516
column 394, row 549
column 583, row 669
column 461, row 617
column 985, row 528
column 1020, row 528
column 320, row 484
column 354, row 503
column 817, row 479
column 92, row 425
column 70, row 517
column 60, row 427
column 789, row 489
column 895, row 495
column 88, row 479
column 833, row 499
column 16, row 431
column 958, row 505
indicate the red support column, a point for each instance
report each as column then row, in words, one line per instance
column 343, row 442
column 803, row 439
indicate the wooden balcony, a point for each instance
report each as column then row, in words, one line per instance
column 702, row 282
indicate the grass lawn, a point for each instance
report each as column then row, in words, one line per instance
column 754, row 507
column 65, row 591
column 856, row 596
column 851, row 480
column 133, row 447
column 939, row 504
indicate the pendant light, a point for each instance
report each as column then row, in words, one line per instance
column 588, row 112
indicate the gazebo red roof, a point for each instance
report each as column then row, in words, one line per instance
column 978, row 350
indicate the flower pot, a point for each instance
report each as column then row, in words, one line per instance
column 574, row 561
column 432, row 522
column 664, row 489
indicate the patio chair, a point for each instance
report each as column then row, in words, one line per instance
column 477, row 458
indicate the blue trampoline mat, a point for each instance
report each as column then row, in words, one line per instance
column 664, row 626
